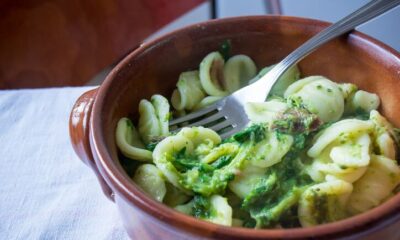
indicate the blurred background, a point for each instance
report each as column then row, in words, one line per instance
column 50, row 43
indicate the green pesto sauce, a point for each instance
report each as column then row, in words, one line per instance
column 255, row 133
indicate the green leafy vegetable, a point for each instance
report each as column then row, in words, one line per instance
column 275, row 195
column 255, row 133
column 225, row 49
column 201, row 207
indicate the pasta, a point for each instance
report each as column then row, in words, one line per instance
column 211, row 74
column 342, row 128
column 149, row 126
column 128, row 141
column 314, row 152
column 385, row 136
column 215, row 209
column 237, row 71
column 149, row 178
column 189, row 92
column 154, row 117
column 264, row 112
column 249, row 176
column 382, row 176
column 161, row 107
column 206, row 101
column 270, row 150
column 365, row 101
column 329, row 198
column 319, row 95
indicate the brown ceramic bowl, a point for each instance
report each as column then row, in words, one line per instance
column 154, row 68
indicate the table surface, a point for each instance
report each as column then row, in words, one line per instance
column 46, row 191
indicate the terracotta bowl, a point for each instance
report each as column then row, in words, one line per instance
column 154, row 68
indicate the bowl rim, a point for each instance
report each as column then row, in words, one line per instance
column 120, row 182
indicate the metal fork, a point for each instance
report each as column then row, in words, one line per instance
column 227, row 116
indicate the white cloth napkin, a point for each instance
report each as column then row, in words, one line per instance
column 46, row 192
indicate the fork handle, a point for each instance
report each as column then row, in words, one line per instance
column 362, row 15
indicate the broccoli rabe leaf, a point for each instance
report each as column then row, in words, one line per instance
column 222, row 161
column 255, row 132
column 203, row 178
column 184, row 162
column 276, row 194
column 201, row 207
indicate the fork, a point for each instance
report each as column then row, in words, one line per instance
column 227, row 116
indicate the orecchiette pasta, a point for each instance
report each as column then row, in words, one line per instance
column 324, row 202
column 365, row 101
column 342, row 128
column 222, row 212
column 187, row 139
column 206, row 101
column 381, row 177
column 354, row 154
column 323, row 169
column 271, row 150
column 384, row 135
column 217, row 210
column 238, row 70
column 189, row 91
column 264, row 112
column 163, row 152
column 174, row 197
column 149, row 125
column 319, row 95
column 128, row 141
column 149, row 178
column 212, row 74
column 161, row 107
column 247, row 177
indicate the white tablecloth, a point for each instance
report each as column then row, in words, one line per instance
column 46, row 192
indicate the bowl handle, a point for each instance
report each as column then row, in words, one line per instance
column 79, row 133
